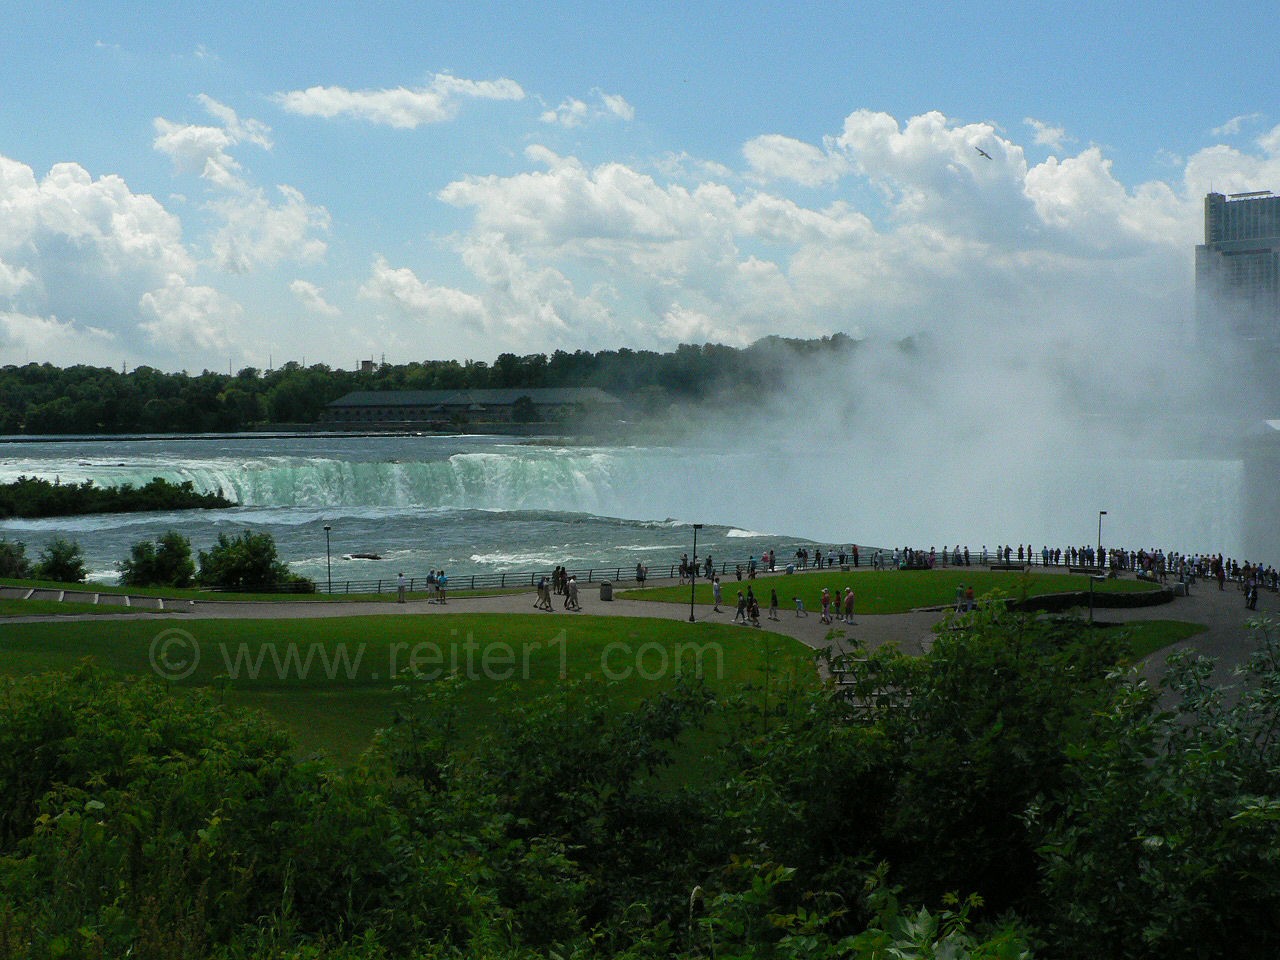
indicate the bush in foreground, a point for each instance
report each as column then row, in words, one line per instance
column 248, row 563
column 61, row 561
column 166, row 562
column 1013, row 785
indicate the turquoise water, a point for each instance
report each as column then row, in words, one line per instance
column 493, row 504
column 468, row 504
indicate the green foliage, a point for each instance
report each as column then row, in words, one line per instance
column 248, row 563
column 37, row 497
column 41, row 398
column 61, row 561
column 524, row 410
column 1012, row 786
column 1168, row 844
column 13, row 559
column 164, row 563
column 139, row 823
column 984, row 736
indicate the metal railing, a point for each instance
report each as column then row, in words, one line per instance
column 524, row 579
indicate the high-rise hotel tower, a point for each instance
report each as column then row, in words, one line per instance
column 1238, row 270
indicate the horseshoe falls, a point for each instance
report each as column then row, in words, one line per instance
column 474, row 504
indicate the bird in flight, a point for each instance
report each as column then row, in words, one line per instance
column 982, row 152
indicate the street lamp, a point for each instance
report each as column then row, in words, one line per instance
column 1101, row 514
column 693, row 580
column 328, row 566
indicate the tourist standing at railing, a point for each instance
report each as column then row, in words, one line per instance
column 401, row 586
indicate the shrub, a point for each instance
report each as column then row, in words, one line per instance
column 247, row 563
column 165, row 563
column 13, row 559
column 62, row 561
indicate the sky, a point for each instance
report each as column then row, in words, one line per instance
column 217, row 186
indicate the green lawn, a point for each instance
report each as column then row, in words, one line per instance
column 193, row 593
column 1147, row 637
column 40, row 608
column 333, row 680
column 889, row 591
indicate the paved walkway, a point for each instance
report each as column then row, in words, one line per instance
column 1226, row 636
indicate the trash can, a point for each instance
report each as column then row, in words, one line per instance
column 606, row 590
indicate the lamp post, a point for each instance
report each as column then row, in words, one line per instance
column 1101, row 514
column 693, row 580
column 328, row 565
column 1101, row 575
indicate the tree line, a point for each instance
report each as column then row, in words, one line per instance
column 44, row 399
column 245, row 563
column 1017, row 790
column 39, row 497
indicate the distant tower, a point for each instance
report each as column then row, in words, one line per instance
column 1238, row 269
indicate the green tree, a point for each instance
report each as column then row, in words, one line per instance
column 166, row 562
column 1167, row 842
column 13, row 559
column 524, row 410
column 249, row 563
column 62, row 561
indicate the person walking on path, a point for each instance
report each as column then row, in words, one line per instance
column 716, row 594
column 571, row 594
column 848, row 604
column 741, row 613
column 773, row 605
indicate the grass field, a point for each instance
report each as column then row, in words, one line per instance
column 1147, row 637
column 889, row 591
column 333, row 681
column 192, row 593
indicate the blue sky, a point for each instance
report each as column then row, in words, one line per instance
column 226, row 185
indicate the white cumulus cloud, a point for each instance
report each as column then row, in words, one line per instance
column 312, row 298
column 1046, row 134
column 776, row 157
column 402, row 107
column 183, row 318
column 574, row 112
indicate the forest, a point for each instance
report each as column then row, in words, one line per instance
column 1018, row 790
column 41, row 399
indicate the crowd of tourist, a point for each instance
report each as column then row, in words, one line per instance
column 1152, row 563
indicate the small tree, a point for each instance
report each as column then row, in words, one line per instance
column 249, row 563
column 61, row 560
column 13, row 559
column 524, row 410
column 165, row 563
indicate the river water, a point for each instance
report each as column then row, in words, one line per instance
column 483, row 504
column 469, row 504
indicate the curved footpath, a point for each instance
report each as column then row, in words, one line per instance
column 1226, row 637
